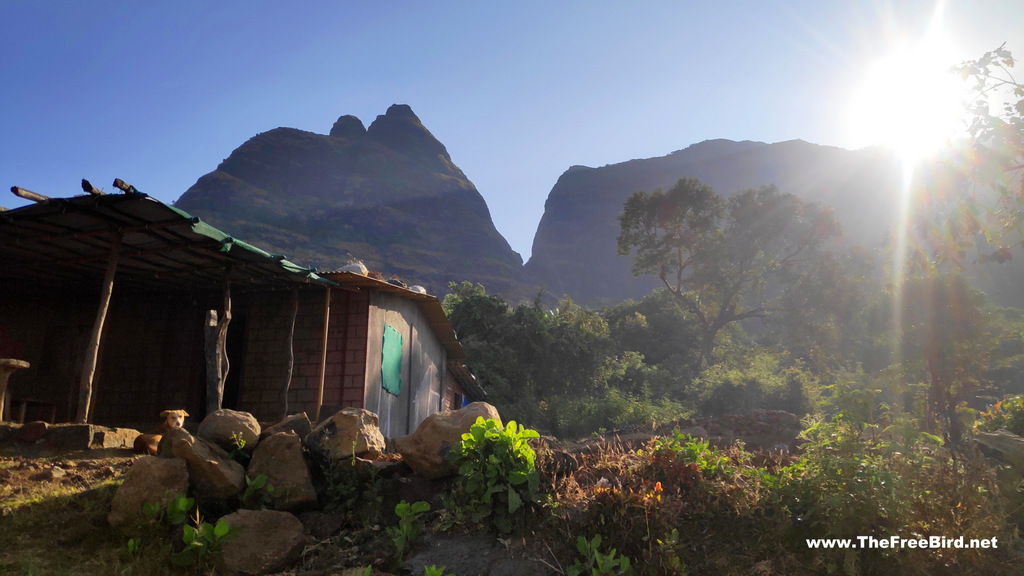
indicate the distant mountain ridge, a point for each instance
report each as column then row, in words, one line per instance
column 388, row 195
column 574, row 250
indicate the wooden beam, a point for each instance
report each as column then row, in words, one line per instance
column 217, row 363
column 291, row 355
column 92, row 352
column 88, row 187
column 323, row 354
column 125, row 187
column 29, row 195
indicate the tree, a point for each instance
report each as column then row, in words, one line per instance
column 944, row 336
column 716, row 257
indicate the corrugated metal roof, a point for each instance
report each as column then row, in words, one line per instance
column 68, row 241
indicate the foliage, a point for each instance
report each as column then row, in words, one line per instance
column 350, row 488
column 1008, row 413
column 945, row 340
column 238, row 452
column 408, row 528
column 716, row 257
column 259, row 493
column 595, row 563
column 994, row 156
column 756, row 379
column 201, row 542
column 176, row 511
column 684, row 450
column 850, row 483
column 435, row 571
column 498, row 479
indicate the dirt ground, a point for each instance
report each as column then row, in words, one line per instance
column 53, row 520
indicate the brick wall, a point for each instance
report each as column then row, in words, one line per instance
column 265, row 355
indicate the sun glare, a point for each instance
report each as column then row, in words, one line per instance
column 909, row 100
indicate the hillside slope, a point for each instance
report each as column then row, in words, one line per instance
column 388, row 195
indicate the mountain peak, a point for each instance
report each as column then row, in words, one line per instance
column 400, row 129
column 401, row 111
column 348, row 127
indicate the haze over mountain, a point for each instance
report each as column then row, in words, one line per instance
column 574, row 250
column 390, row 196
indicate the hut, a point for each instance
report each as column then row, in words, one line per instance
column 124, row 306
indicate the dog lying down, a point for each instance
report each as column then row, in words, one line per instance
column 147, row 443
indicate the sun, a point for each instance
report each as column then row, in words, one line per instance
column 910, row 100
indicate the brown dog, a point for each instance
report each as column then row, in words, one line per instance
column 147, row 443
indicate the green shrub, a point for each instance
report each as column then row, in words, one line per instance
column 1007, row 413
column 595, row 563
column 848, row 483
column 408, row 528
column 259, row 493
column 498, row 480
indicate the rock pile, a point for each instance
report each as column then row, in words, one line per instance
column 270, row 540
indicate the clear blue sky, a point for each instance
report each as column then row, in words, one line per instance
column 158, row 93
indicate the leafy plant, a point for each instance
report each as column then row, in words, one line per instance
column 238, row 451
column 408, row 528
column 1007, row 413
column 686, row 450
column 259, row 493
column 435, row 571
column 201, row 542
column 498, row 479
column 352, row 489
column 133, row 546
column 175, row 513
column 595, row 563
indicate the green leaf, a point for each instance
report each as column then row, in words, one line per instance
column 221, row 530
column 514, row 501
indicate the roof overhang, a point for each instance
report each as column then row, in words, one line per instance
column 67, row 242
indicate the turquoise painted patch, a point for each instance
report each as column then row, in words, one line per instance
column 391, row 361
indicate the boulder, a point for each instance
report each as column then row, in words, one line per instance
column 32, row 432
column 212, row 472
column 298, row 423
column 280, row 457
column 69, row 436
column 104, row 437
column 426, row 450
column 150, row 479
column 261, row 542
column 224, row 427
column 350, row 431
column 1008, row 446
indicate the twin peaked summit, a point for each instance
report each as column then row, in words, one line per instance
column 388, row 195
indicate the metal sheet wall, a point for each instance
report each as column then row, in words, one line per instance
column 423, row 361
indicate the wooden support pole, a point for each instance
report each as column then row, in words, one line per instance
column 217, row 363
column 92, row 352
column 323, row 354
column 222, row 334
column 291, row 355
column 29, row 195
